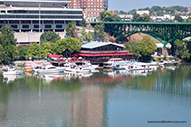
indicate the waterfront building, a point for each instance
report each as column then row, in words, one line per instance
column 30, row 18
column 99, row 52
column 91, row 8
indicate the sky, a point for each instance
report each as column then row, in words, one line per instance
column 136, row 4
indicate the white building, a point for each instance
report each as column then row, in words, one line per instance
column 127, row 18
column 36, row 17
column 141, row 12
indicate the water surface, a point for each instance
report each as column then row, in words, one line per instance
column 104, row 99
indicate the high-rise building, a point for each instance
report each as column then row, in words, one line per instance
column 33, row 17
column 91, row 8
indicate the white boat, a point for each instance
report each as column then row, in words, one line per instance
column 48, row 69
column 121, row 65
column 37, row 68
column 72, row 67
column 82, row 69
column 90, row 66
column 11, row 71
column 61, row 69
column 170, row 63
column 138, row 66
column 111, row 61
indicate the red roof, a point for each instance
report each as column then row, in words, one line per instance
column 103, row 54
column 53, row 56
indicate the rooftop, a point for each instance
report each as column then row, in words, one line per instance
column 94, row 44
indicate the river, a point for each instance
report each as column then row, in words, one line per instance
column 104, row 99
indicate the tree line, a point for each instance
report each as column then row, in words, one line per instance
column 50, row 42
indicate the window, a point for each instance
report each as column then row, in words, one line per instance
column 36, row 26
column 48, row 26
column 14, row 26
column 25, row 26
column 58, row 26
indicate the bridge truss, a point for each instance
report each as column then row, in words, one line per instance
column 164, row 32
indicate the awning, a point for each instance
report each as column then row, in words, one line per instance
column 52, row 56
column 103, row 54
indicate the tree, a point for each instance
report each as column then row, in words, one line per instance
column 105, row 14
column 71, row 29
column 142, row 49
column 113, row 18
column 87, row 37
column 178, row 18
column 46, row 49
column 99, row 34
column 136, row 17
column 83, row 33
column 2, row 53
column 72, row 44
column 122, row 12
column 23, row 52
column 83, row 23
column 181, row 49
column 49, row 36
column 8, row 43
column 156, row 8
column 188, row 20
column 140, row 18
column 34, row 50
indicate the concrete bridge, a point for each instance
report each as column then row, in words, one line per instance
column 164, row 32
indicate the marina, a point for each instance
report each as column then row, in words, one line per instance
column 62, row 99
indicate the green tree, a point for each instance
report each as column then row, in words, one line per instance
column 72, row 44
column 178, row 18
column 83, row 23
column 99, row 34
column 181, row 49
column 8, row 43
column 142, row 49
column 2, row 53
column 140, row 18
column 87, row 37
column 105, row 14
column 122, row 12
column 188, row 20
column 34, row 50
column 113, row 18
column 71, row 29
column 136, row 17
column 83, row 33
column 46, row 49
column 23, row 52
column 49, row 36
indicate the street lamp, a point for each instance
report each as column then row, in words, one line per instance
column 39, row 24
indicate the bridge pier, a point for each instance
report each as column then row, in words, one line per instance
column 165, row 52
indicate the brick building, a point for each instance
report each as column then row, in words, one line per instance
column 91, row 8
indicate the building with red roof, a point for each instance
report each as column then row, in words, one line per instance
column 98, row 52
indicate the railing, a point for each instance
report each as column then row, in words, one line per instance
column 100, row 52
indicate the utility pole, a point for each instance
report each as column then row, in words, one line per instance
column 130, row 11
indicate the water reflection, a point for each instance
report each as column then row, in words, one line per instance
column 71, row 99
column 11, row 78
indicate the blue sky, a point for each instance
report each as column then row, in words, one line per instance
column 136, row 4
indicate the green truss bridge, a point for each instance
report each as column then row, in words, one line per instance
column 165, row 32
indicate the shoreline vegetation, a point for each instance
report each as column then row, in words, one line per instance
column 142, row 49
